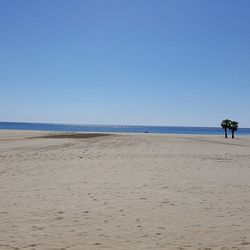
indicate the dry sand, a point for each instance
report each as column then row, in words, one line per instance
column 124, row 192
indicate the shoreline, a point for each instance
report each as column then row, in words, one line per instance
column 18, row 131
column 120, row 129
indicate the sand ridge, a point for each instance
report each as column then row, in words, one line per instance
column 127, row 191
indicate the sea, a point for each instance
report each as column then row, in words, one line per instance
column 119, row 128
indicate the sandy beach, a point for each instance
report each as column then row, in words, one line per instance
column 124, row 192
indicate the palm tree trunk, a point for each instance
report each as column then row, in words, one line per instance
column 232, row 135
column 225, row 133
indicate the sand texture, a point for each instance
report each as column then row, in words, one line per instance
column 124, row 192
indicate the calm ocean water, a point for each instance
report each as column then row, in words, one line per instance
column 118, row 128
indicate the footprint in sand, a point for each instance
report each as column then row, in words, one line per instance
column 36, row 228
column 59, row 218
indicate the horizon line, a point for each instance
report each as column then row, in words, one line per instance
column 101, row 124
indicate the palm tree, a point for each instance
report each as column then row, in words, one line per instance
column 225, row 124
column 233, row 127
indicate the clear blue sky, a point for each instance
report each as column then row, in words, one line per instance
column 152, row 62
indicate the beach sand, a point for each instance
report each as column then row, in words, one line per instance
column 124, row 192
